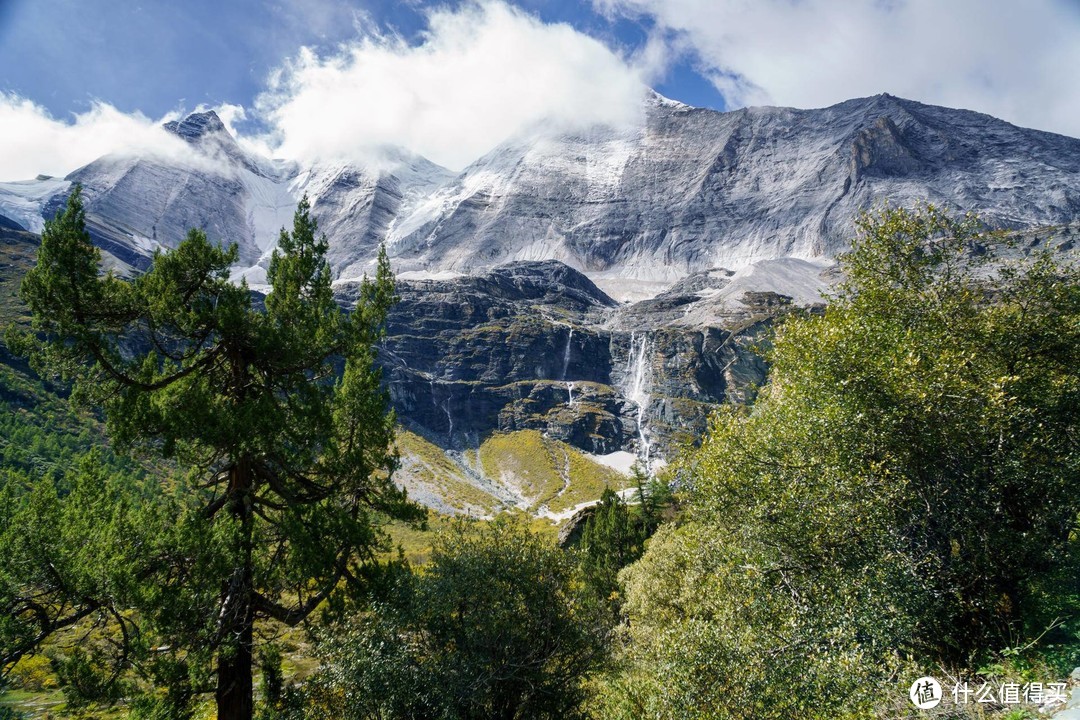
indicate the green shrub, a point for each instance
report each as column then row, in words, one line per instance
column 497, row 626
column 898, row 497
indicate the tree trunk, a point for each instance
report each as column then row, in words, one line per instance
column 234, row 684
column 234, row 672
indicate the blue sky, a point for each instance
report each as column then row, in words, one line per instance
column 156, row 57
column 450, row 79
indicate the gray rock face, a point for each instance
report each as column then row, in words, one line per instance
column 536, row 345
column 357, row 207
column 133, row 206
column 736, row 213
column 685, row 191
column 197, row 126
column 7, row 223
column 695, row 189
column 137, row 204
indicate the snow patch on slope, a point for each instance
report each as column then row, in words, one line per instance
column 803, row 280
column 25, row 200
column 270, row 207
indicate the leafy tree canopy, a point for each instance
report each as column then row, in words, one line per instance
column 901, row 495
column 497, row 626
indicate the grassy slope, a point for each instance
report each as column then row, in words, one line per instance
column 545, row 473
column 436, row 480
column 523, row 471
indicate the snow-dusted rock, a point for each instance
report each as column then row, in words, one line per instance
column 635, row 208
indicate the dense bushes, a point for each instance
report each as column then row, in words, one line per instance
column 499, row 625
column 895, row 500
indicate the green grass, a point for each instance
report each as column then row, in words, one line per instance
column 426, row 467
column 416, row 543
column 524, row 461
column 545, row 472
column 37, row 704
column 588, row 480
column 17, row 254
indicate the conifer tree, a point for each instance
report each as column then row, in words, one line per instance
column 610, row 541
column 276, row 406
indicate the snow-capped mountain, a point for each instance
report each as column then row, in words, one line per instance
column 721, row 220
column 694, row 189
column 686, row 190
column 358, row 206
column 136, row 204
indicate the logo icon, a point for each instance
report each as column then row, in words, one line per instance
column 925, row 693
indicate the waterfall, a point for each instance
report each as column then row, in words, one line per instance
column 566, row 352
column 570, row 394
column 635, row 386
column 449, row 421
column 445, row 407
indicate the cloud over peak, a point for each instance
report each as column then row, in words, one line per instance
column 480, row 74
column 1009, row 59
column 34, row 143
column 477, row 76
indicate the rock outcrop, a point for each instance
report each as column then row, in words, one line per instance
column 537, row 346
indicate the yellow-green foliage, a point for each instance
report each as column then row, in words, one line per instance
column 415, row 543
column 425, row 464
column 34, row 674
column 523, row 460
column 587, row 481
column 16, row 256
column 897, row 500
column 544, row 471
column 544, row 527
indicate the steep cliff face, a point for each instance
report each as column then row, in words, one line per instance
column 694, row 189
column 358, row 206
column 537, row 346
column 136, row 204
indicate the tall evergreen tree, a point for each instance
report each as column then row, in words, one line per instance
column 277, row 406
column 611, row 540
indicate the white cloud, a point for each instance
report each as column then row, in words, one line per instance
column 481, row 74
column 1013, row 60
column 33, row 142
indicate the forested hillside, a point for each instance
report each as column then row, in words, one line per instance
column 896, row 501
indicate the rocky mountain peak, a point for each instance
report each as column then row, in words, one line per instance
column 206, row 133
column 635, row 209
column 197, row 125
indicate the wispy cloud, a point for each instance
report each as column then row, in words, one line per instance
column 33, row 142
column 480, row 74
column 1013, row 60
